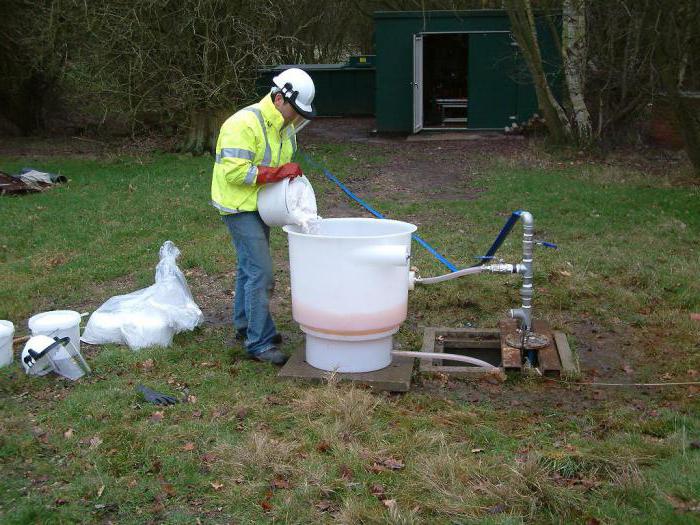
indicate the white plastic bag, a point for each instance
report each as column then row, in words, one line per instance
column 151, row 316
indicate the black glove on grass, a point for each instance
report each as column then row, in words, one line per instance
column 156, row 397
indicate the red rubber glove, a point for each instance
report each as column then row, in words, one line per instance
column 267, row 175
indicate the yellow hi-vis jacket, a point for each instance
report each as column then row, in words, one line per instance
column 254, row 136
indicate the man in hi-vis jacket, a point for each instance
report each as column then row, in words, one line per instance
column 254, row 148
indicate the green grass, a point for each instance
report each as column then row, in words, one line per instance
column 253, row 449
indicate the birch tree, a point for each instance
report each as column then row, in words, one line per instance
column 574, row 53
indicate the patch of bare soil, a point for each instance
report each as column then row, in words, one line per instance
column 425, row 170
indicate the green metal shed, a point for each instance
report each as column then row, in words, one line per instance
column 342, row 90
column 453, row 70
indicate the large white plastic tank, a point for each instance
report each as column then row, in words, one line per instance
column 350, row 290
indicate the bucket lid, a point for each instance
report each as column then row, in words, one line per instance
column 54, row 320
column 6, row 328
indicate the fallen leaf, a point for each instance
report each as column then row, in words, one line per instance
column 695, row 445
column 346, row 472
column 191, row 399
column 389, row 503
column 667, row 376
column 218, row 413
column 266, row 505
column 497, row 509
column 157, row 416
column 376, row 468
column 95, row 442
column 477, row 450
column 132, row 484
column 323, row 446
column 695, row 316
column 169, row 489
column 216, row 485
column 68, row 433
column 60, row 501
column 208, row 458
column 323, row 505
column 692, row 373
column 565, row 273
column 274, row 400
column 241, row 413
column 627, row 369
column 188, row 447
column 100, row 490
column 592, row 521
column 393, row 464
column 155, row 467
column 378, row 490
column 147, row 364
column 280, row 483
column 197, row 414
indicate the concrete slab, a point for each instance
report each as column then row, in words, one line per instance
column 395, row 378
column 439, row 136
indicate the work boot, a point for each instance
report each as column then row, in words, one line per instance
column 242, row 333
column 273, row 355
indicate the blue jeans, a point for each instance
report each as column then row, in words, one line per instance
column 254, row 280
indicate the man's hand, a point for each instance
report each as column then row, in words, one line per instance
column 267, row 175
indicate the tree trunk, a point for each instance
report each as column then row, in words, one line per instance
column 203, row 132
column 525, row 33
column 574, row 51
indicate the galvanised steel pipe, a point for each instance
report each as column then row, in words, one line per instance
column 524, row 313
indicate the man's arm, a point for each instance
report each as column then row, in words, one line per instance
column 237, row 154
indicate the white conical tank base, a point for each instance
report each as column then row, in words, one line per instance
column 349, row 354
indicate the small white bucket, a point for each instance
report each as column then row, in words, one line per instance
column 57, row 323
column 276, row 201
column 7, row 331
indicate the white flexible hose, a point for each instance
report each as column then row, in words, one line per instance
column 447, row 357
column 448, row 276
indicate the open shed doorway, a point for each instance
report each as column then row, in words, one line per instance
column 445, row 82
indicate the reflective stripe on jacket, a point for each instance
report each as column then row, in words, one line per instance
column 251, row 137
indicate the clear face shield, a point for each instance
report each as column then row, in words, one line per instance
column 43, row 355
column 299, row 123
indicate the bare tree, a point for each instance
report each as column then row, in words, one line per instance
column 525, row 32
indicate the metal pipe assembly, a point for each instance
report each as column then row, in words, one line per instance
column 524, row 313
column 524, row 268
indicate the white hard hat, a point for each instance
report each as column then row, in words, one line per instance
column 34, row 355
column 298, row 89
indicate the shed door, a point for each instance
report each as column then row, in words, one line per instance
column 493, row 92
column 417, row 83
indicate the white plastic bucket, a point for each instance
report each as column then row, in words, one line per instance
column 57, row 323
column 276, row 204
column 7, row 331
column 350, row 282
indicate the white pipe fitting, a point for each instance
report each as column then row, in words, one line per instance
column 386, row 255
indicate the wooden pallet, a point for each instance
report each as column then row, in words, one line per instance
column 490, row 345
